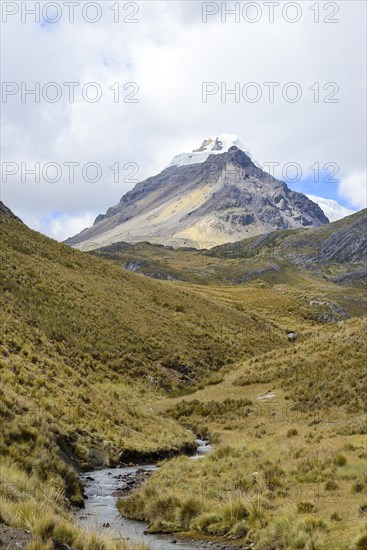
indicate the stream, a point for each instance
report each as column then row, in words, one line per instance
column 100, row 506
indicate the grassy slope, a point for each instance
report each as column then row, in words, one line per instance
column 307, row 444
column 85, row 348
column 278, row 256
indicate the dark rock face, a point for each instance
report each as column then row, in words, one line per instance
column 348, row 243
column 337, row 251
column 133, row 266
column 226, row 198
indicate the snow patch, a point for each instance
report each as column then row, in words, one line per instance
column 213, row 145
column 332, row 209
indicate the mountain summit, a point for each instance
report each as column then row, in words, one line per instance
column 214, row 145
column 213, row 195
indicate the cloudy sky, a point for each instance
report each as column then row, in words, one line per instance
column 148, row 62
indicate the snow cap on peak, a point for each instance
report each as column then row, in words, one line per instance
column 219, row 144
column 212, row 145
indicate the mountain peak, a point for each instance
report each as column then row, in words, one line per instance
column 213, row 195
column 212, row 145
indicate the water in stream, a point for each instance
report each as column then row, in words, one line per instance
column 100, row 507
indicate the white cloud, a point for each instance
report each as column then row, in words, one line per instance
column 353, row 188
column 60, row 226
column 169, row 54
column 65, row 226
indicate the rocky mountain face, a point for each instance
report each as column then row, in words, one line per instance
column 336, row 252
column 203, row 203
column 343, row 241
column 347, row 243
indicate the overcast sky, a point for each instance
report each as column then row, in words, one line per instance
column 162, row 52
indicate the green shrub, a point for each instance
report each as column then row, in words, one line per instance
column 340, row 460
column 240, row 529
column 286, row 534
column 360, row 542
column 161, row 526
column 163, row 507
column 234, row 510
column 188, row 510
column 358, row 487
column 305, row 507
column 331, row 486
column 273, row 475
column 206, row 519
column 219, row 529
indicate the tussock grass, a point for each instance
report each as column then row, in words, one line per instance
column 296, row 462
column 85, row 348
column 49, row 521
column 91, row 355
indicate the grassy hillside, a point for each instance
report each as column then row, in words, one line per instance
column 289, row 465
column 95, row 360
column 84, row 348
column 92, row 312
column 335, row 252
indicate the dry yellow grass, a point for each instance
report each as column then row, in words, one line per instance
column 95, row 360
column 306, row 443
